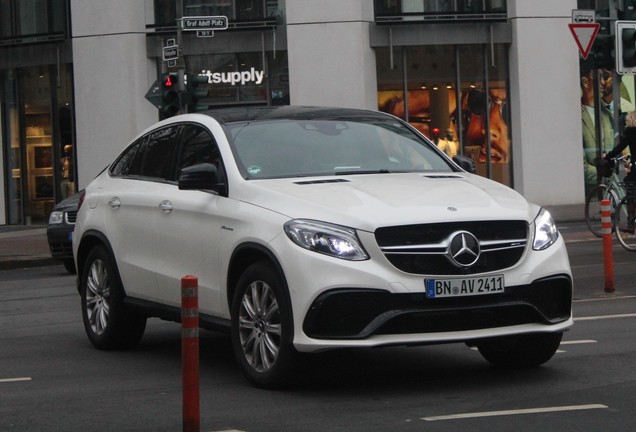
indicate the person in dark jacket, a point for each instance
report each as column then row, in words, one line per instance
column 628, row 139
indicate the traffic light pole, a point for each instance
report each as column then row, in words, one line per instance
column 181, row 58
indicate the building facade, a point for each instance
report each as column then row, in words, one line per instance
column 495, row 80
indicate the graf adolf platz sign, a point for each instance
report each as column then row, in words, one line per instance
column 197, row 23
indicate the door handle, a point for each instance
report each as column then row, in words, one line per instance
column 165, row 206
column 115, row 202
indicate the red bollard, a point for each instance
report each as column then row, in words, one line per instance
column 606, row 230
column 190, row 352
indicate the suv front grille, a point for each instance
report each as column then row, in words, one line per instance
column 423, row 249
column 71, row 217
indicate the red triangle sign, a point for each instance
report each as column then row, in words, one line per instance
column 584, row 35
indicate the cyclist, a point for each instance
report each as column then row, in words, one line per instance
column 628, row 139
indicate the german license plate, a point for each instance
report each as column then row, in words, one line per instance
column 456, row 287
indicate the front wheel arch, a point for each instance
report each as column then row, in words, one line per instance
column 245, row 255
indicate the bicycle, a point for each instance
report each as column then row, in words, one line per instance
column 610, row 189
column 626, row 218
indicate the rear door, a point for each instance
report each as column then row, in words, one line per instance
column 133, row 204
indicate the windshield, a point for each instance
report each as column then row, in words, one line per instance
column 293, row 148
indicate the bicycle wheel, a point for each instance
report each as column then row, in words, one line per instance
column 593, row 207
column 625, row 223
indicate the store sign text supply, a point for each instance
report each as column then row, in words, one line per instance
column 235, row 78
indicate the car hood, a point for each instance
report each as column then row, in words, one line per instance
column 371, row 201
column 70, row 203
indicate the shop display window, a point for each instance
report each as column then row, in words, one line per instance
column 453, row 95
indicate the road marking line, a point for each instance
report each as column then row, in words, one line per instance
column 601, row 317
column 574, row 342
column 7, row 380
column 515, row 412
column 607, row 297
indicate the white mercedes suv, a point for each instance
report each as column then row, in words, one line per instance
column 312, row 229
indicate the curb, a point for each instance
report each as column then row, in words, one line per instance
column 14, row 264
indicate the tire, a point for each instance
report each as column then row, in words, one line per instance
column 625, row 232
column 523, row 351
column 262, row 329
column 106, row 322
column 69, row 265
column 593, row 207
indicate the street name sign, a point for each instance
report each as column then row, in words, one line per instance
column 204, row 23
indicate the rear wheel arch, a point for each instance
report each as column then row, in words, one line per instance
column 89, row 241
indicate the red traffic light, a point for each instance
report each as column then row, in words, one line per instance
column 169, row 80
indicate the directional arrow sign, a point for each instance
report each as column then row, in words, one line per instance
column 154, row 94
column 204, row 23
column 584, row 35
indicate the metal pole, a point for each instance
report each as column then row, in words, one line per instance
column 180, row 59
column 608, row 259
column 190, row 353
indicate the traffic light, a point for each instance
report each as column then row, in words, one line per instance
column 170, row 105
column 628, row 11
column 193, row 94
column 601, row 51
column 626, row 47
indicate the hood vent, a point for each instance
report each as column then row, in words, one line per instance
column 442, row 176
column 308, row 182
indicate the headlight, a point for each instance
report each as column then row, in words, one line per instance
column 56, row 218
column 545, row 231
column 325, row 238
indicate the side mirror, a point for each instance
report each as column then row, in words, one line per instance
column 465, row 163
column 203, row 176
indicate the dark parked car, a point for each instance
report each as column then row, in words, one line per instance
column 60, row 231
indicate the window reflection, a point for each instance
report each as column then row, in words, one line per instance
column 468, row 117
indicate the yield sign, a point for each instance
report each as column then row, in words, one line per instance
column 584, row 35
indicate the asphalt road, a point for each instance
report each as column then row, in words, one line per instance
column 52, row 379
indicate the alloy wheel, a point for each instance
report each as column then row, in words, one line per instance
column 260, row 326
column 98, row 297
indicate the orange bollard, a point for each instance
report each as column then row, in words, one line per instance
column 606, row 230
column 190, row 353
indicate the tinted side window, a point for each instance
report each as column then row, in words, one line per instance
column 198, row 146
column 158, row 155
column 128, row 163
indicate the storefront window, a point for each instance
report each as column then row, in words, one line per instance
column 390, row 73
column 20, row 18
column 165, row 10
column 40, row 184
column 454, row 94
column 37, row 141
column 65, row 151
column 11, row 145
column 436, row 10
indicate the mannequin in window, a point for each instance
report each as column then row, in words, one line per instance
column 67, row 187
column 448, row 144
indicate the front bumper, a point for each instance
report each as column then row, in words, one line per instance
column 354, row 314
column 60, row 241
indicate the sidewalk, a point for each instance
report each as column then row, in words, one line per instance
column 24, row 246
